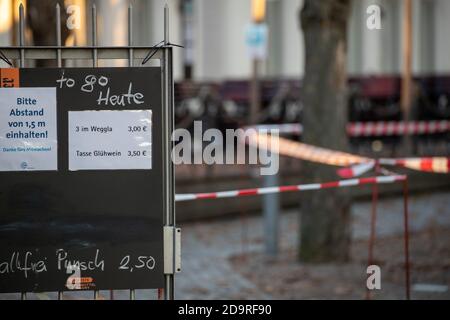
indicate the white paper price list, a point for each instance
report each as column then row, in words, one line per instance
column 110, row 140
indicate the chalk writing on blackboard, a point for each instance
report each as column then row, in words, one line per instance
column 105, row 97
column 27, row 263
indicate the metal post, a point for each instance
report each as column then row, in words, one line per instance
column 22, row 35
column 94, row 36
column 58, row 35
column 23, row 295
column 166, row 24
column 373, row 223
column 271, row 206
column 255, row 97
column 166, row 65
column 244, row 221
column 94, row 64
column 130, row 35
column 130, row 64
column 406, row 238
column 59, row 61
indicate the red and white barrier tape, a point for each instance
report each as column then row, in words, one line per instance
column 359, row 165
column 304, row 151
column 300, row 187
column 356, row 170
column 392, row 128
column 373, row 129
column 283, row 128
column 430, row 164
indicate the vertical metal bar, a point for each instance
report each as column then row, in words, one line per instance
column 58, row 34
column 373, row 224
column 22, row 35
column 94, row 36
column 171, row 167
column 255, row 93
column 167, row 105
column 95, row 65
column 130, row 35
column 23, row 296
column 171, row 122
column 406, row 238
column 59, row 61
column 243, row 220
column 271, row 206
column 166, row 24
column 130, row 64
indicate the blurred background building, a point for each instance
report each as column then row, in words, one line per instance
column 214, row 30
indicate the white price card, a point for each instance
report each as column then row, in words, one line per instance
column 28, row 133
column 110, row 140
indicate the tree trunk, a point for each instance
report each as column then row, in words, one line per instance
column 325, row 215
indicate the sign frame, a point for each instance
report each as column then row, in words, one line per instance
column 163, row 56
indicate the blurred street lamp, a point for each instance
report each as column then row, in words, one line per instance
column 5, row 15
column 258, row 11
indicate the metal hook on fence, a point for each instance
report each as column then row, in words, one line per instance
column 5, row 59
column 174, row 45
column 152, row 52
column 156, row 47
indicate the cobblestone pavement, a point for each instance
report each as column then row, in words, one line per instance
column 207, row 247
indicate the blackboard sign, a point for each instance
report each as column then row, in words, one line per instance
column 81, row 200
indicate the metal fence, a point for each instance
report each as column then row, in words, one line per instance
column 162, row 53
